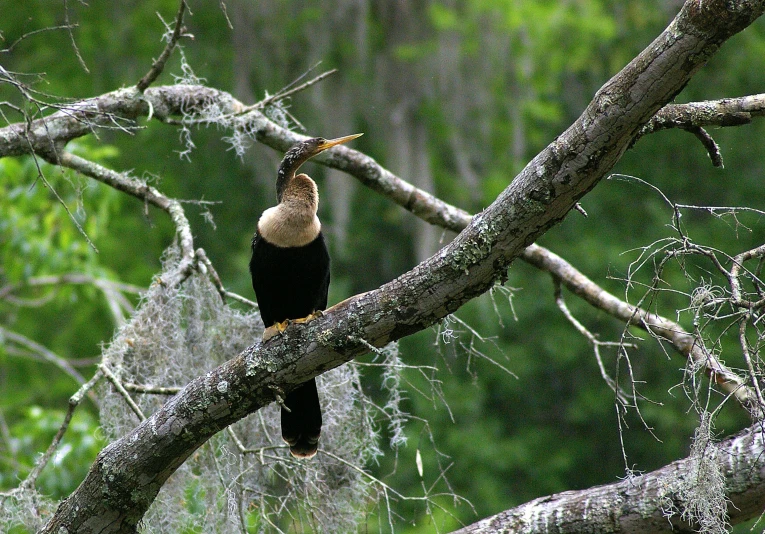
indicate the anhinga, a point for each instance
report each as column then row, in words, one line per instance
column 290, row 275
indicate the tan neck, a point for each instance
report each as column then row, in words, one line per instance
column 293, row 222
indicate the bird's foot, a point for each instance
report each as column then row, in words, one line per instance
column 278, row 328
column 314, row 315
column 275, row 329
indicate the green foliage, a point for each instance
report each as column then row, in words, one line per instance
column 45, row 213
column 40, row 237
column 33, row 433
column 41, row 234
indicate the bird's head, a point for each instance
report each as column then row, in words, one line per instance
column 302, row 152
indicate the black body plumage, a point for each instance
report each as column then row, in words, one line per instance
column 289, row 282
column 292, row 283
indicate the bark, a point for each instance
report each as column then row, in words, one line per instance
column 642, row 504
column 725, row 112
column 128, row 473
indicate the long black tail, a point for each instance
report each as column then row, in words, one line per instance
column 301, row 426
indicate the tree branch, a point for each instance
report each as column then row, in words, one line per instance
column 140, row 190
column 74, row 402
column 643, row 503
column 724, row 112
column 682, row 341
column 44, row 352
column 180, row 99
column 159, row 64
column 695, row 116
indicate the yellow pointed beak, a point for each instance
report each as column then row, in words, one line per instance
column 329, row 143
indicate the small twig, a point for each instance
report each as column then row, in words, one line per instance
column 118, row 385
column 142, row 191
column 85, row 362
column 748, row 359
column 279, row 396
column 34, row 32
column 74, row 402
column 261, row 450
column 285, row 93
column 735, row 273
column 712, row 148
column 46, row 354
column 151, row 390
column 225, row 14
column 41, row 175
column 367, row 344
column 428, row 498
column 222, row 291
column 621, row 395
column 69, row 27
column 472, row 350
column 720, row 211
column 207, row 268
column 237, row 441
column 159, row 64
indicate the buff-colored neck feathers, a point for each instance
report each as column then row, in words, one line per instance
column 293, row 222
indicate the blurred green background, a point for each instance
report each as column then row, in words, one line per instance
column 455, row 97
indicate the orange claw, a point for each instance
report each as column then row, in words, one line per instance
column 278, row 328
column 275, row 329
column 315, row 315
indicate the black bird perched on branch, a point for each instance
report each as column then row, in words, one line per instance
column 290, row 275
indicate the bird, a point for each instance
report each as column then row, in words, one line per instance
column 290, row 275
